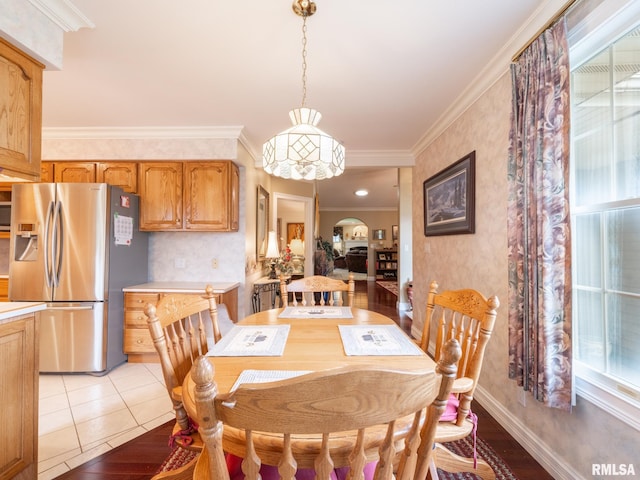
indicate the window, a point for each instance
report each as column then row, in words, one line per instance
column 605, row 125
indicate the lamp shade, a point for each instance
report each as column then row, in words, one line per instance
column 272, row 246
column 303, row 152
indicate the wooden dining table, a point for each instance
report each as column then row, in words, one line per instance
column 312, row 344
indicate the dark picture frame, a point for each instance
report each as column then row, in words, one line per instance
column 449, row 199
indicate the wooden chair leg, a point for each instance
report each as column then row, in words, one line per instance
column 448, row 461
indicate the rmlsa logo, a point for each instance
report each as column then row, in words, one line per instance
column 609, row 469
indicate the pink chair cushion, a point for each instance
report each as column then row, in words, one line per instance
column 451, row 415
column 268, row 472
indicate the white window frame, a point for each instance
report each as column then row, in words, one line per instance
column 606, row 23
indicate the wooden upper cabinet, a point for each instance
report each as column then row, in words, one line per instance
column 20, row 113
column 120, row 174
column 160, row 190
column 210, row 194
column 189, row 196
column 74, row 172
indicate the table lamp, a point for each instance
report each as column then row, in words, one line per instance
column 272, row 252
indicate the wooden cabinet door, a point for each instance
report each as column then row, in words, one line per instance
column 74, row 172
column 120, row 174
column 21, row 112
column 19, row 413
column 207, row 196
column 160, row 190
column 234, row 198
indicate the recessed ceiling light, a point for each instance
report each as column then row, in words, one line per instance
column 361, row 193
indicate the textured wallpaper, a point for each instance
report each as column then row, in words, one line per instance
column 479, row 261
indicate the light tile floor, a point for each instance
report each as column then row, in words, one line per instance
column 83, row 416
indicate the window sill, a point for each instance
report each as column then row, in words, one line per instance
column 605, row 393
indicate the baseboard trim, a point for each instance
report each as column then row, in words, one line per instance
column 533, row 444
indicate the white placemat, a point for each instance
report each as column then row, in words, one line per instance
column 263, row 376
column 252, row 340
column 316, row 312
column 376, row 340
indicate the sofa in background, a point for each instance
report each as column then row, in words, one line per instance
column 356, row 259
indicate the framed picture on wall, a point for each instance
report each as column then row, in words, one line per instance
column 262, row 222
column 449, row 199
column 295, row 230
column 394, row 232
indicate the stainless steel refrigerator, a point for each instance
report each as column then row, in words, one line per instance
column 76, row 246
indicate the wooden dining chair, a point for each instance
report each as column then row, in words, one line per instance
column 469, row 317
column 323, row 423
column 179, row 326
column 317, row 289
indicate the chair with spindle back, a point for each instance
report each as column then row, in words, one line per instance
column 469, row 317
column 317, row 289
column 324, row 423
column 179, row 326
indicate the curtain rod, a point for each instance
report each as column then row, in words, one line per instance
column 553, row 19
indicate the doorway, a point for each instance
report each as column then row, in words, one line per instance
column 293, row 213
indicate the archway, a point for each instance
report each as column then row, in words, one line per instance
column 349, row 232
column 350, row 244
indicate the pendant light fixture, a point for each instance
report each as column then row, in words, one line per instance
column 303, row 152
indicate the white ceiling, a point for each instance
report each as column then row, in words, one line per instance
column 381, row 72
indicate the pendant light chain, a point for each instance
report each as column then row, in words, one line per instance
column 304, row 60
column 303, row 151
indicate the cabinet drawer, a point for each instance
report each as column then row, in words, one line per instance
column 137, row 301
column 138, row 340
column 135, row 319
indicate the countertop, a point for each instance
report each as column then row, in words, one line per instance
column 9, row 310
column 181, row 287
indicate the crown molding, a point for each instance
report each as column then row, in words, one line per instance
column 64, row 14
column 490, row 74
column 67, row 133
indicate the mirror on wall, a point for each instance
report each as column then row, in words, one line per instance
column 262, row 222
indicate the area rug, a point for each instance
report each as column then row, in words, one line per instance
column 390, row 286
column 464, row 448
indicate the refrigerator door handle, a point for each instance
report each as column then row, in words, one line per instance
column 51, row 306
column 47, row 245
column 56, row 244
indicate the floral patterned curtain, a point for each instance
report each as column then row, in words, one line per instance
column 539, row 235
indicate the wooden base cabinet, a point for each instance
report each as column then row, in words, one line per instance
column 19, row 414
column 137, row 340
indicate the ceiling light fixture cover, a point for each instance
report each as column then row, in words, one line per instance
column 303, row 152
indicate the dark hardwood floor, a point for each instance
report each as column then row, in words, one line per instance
column 139, row 458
